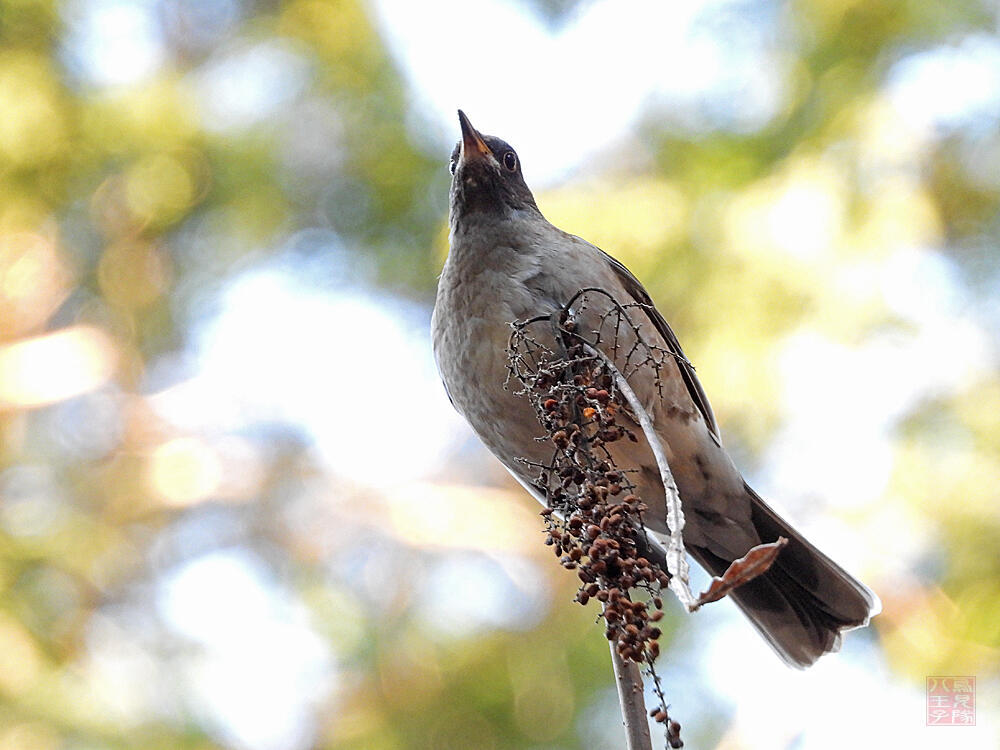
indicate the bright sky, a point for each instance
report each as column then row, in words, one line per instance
column 560, row 97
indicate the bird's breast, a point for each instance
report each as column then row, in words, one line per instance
column 476, row 304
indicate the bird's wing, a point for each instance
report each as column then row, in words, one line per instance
column 640, row 295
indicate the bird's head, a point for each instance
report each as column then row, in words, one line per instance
column 486, row 177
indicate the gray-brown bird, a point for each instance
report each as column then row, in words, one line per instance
column 507, row 264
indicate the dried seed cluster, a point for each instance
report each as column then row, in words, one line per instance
column 593, row 517
column 593, row 520
column 673, row 728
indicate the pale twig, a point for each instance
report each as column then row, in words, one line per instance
column 677, row 564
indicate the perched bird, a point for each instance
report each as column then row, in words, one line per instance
column 507, row 264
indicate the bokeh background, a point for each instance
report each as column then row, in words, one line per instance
column 236, row 509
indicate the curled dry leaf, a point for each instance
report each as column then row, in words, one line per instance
column 752, row 564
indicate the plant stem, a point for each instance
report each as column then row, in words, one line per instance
column 629, row 681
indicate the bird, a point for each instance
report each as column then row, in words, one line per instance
column 506, row 263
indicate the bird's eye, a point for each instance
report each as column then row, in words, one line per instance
column 510, row 160
column 451, row 166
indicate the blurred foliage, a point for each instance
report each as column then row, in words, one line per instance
column 124, row 210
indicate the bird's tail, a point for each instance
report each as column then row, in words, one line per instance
column 805, row 601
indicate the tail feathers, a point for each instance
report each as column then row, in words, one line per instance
column 805, row 601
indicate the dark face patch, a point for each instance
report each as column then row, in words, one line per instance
column 486, row 185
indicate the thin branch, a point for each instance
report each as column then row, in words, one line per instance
column 630, row 696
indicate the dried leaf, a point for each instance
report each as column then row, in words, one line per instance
column 752, row 564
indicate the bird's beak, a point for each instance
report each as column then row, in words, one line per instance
column 473, row 145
